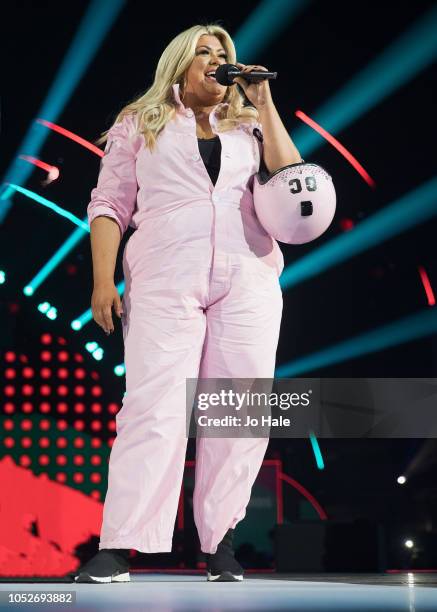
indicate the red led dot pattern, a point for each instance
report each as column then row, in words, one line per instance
column 56, row 421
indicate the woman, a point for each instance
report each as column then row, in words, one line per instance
column 202, row 295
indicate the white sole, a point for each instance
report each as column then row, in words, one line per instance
column 105, row 579
column 224, row 577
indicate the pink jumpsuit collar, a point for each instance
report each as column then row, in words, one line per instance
column 189, row 113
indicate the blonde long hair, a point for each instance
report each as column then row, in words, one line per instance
column 157, row 106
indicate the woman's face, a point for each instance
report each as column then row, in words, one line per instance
column 209, row 55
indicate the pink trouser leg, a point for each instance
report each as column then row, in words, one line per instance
column 168, row 338
column 163, row 334
column 241, row 341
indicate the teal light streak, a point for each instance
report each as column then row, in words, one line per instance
column 412, row 52
column 317, row 452
column 263, row 25
column 62, row 252
column 411, row 209
column 55, row 260
column 57, row 209
column 96, row 23
column 413, row 327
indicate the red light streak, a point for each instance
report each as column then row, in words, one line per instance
column 71, row 136
column 427, row 286
column 53, row 171
column 337, row 145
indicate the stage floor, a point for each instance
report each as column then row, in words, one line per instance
column 300, row 592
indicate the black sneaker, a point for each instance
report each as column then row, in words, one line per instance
column 108, row 565
column 222, row 566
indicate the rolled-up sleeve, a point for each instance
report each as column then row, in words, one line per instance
column 116, row 191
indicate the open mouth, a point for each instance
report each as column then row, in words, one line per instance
column 209, row 76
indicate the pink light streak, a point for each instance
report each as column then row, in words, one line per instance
column 52, row 171
column 337, row 145
column 427, row 286
column 72, row 136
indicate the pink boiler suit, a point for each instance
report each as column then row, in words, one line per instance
column 202, row 299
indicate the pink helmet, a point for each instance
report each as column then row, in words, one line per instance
column 295, row 204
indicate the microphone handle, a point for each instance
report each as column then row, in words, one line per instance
column 253, row 75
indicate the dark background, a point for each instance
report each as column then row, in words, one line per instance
column 320, row 51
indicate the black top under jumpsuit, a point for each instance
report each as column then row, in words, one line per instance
column 210, row 150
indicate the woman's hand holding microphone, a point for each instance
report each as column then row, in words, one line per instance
column 258, row 93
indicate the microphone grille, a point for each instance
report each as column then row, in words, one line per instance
column 222, row 74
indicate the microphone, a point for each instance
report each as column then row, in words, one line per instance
column 226, row 73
